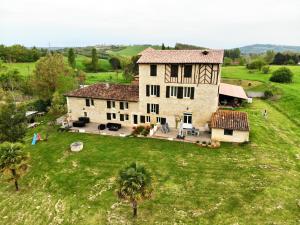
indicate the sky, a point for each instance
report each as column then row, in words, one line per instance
column 209, row 23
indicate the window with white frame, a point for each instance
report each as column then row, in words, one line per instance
column 111, row 104
column 148, row 119
column 153, row 108
column 187, row 118
column 158, row 119
column 173, row 91
column 187, row 91
column 123, row 105
column 153, row 90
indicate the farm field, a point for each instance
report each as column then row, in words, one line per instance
column 256, row 183
column 133, row 50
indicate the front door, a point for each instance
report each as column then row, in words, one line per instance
column 135, row 119
column 187, row 120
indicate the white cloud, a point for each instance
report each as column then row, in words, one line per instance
column 214, row 23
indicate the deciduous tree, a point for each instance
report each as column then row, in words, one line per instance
column 71, row 58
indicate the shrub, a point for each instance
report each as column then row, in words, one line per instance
column 282, row 75
column 227, row 61
column 265, row 69
column 256, row 65
column 268, row 94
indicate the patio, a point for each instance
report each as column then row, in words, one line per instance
column 172, row 135
column 92, row 128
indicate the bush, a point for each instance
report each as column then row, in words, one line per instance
column 227, row 61
column 256, row 65
column 265, row 69
column 282, row 75
column 268, row 94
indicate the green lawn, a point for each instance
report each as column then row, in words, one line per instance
column 289, row 99
column 111, row 77
column 256, row 183
column 25, row 69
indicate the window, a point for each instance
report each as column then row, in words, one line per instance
column 142, row 119
column 111, row 116
column 153, row 70
column 87, row 102
column 174, row 70
column 153, row 90
column 153, row 108
column 158, row 119
column 187, row 92
column 123, row 105
column 187, row 118
column 161, row 120
column 148, row 119
column 188, row 71
column 111, row 104
column 85, row 114
column 173, row 91
column 121, row 117
column 126, row 117
column 228, row 132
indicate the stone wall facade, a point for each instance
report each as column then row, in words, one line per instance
column 237, row 136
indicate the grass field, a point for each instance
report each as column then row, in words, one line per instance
column 112, row 77
column 289, row 102
column 256, row 183
column 133, row 50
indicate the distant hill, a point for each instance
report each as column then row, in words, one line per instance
column 131, row 50
column 261, row 48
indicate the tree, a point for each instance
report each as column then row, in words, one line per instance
column 94, row 63
column 163, row 46
column 13, row 122
column 57, row 107
column 279, row 59
column 115, row 63
column 134, row 185
column 227, row 61
column 256, row 64
column 282, row 75
column 269, row 56
column 13, row 161
column 52, row 74
column 71, row 58
column 81, row 76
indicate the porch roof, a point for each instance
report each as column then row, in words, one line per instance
column 232, row 90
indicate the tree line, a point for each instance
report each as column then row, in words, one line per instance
column 19, row 53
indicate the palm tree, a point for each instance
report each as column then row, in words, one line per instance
column 13, row 161
column 134, row 185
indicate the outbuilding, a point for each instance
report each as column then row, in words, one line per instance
column 230, row 126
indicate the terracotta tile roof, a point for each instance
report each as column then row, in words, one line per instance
column 227, row 119
column 232, row 90
column 181, row 56
column 121, row 92
column 149, row 49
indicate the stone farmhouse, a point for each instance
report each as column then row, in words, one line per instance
column 179, row 88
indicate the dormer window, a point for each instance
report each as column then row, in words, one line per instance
column 187, row 70
column 153, row 70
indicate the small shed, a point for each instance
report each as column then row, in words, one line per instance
column 231, row 94
column 230, row 126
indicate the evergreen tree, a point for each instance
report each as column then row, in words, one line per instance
column 163, row 46
column 71, row 58
column 94, row 64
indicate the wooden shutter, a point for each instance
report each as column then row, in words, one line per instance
column 147, row 90
column 192, row 92
column 158, row 91
column 108, row 115
column 121, row 105
column 142, row 119
column 108, row 104
column 87, row 102
column 180, row 92
column 148, row 108
column 168, row 92
column 157, row 108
